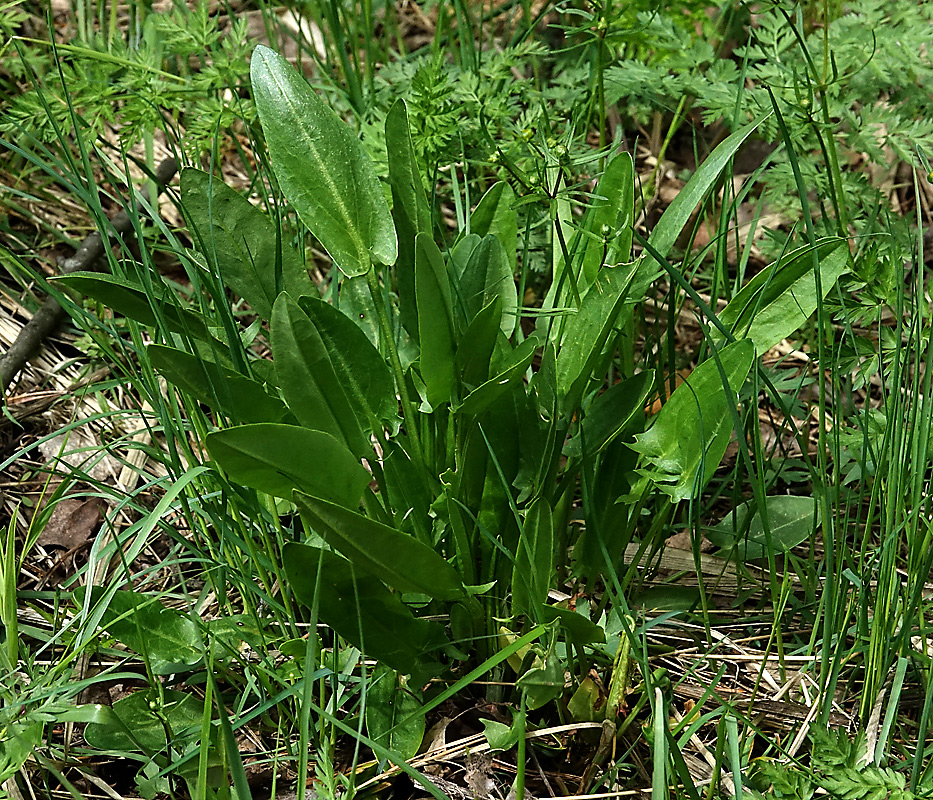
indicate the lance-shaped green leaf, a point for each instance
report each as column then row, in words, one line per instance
column 277, row 459
column 362, row 371
column 474, row 358
column 362, row 610
column 791, row 520
column 435, row 321
column 239, row 242
column 781, row 298
column 409, row 209
column 312, row 389
column 483, row 396
column 391, row 556
column 534, row 559
column 169, row 639
column 587, row 331
column 321, row 167
column 691, row 432
column 495, row 215
column 393, row 715
column 134, row 301
column 224, row 390
column 605, row 236
column 486, row 275
column 139, row 721
column 678, row 213
column 609, row 414
column 607, row 228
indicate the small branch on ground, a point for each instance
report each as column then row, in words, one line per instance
column 50, row 313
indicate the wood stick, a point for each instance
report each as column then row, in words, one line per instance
column 50, row 313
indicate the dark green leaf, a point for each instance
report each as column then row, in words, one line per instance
column 362, row 610
column 409, row 209
column 278, row 459
column 435, row 321
column 474, row 356
column 141, row 721
column 239, row 397
column 312, row 389
column 363, row 373
column 587, row 330
column 496, row 216
column 578, row 628
column 610, row 413
column 391, row 556
column 167, row 638
column 606, row 519
column 488, row 393
column 668, row 598
column 534, row 559
column 790, row 521
column 691, row 432
column 392, row 717
column 487, row 275
column 239, row 242
column 321, row 167
column 131, row 300
column 781, row 298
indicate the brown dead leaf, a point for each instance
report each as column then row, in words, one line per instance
column 73, row 523
column 478, row 775
column 436, row 738
column 683, row 540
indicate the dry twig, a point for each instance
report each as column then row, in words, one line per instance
column 51, row 313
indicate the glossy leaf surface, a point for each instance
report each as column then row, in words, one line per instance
column 312, row 389
column 239, row 242
column 132, row 300
column 392, row 717
column 791, row 520
column 278, row 459
column 409, row 208
column 168, row 639
column 435, row 321
column 534, row 559
column 389, row 555
column 321, row 167
column 362, row 371
column 781, row 298
column 691, row 432
column 240, row 398
column 362, row 610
